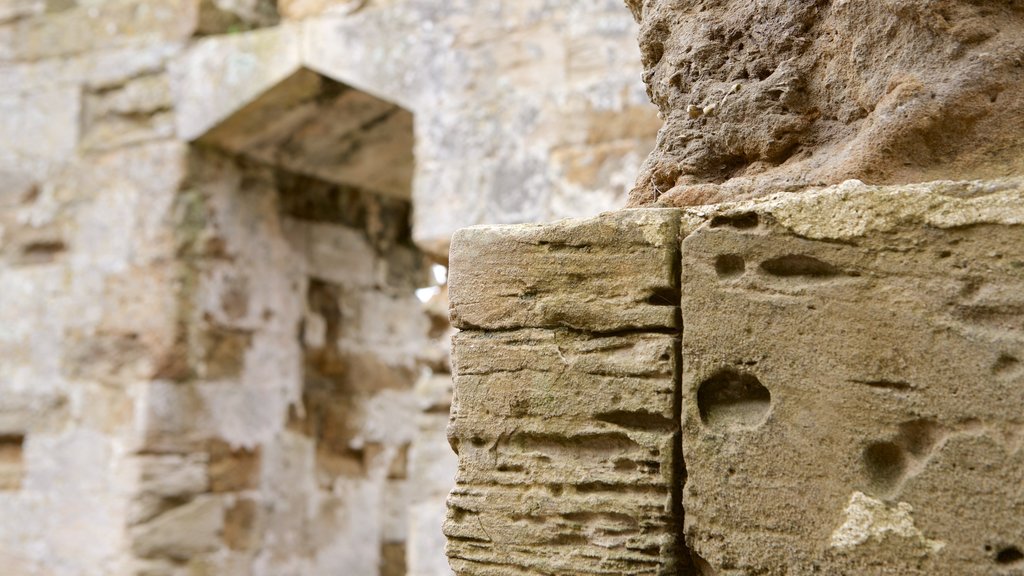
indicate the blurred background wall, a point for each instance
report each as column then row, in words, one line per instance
column 223, row 232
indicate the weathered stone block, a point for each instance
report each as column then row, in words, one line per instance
column 606, row 274
column 183, row 532
column 568, row 457
column 853, row 384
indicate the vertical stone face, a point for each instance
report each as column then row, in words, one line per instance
column 608, row 274
column 567, row 438
column 852, row 384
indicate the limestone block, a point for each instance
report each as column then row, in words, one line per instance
column 219, row 75
column 568, row 457
column 350, row 50
column 182, row 532
column 853, row 382
column 233, row 16
column 42, row 132
column 135, row 111
column 74, row 27
column 312, row 125
column 336, row 254
column 611, row 273
column 165, row 481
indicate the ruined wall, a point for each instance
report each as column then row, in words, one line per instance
column 825, row 383
column 212, row 358
column 761, row 97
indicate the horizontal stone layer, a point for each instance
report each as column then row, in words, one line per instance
column 606, row 274
column 567, row 453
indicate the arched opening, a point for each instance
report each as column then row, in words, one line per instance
column 309, row 372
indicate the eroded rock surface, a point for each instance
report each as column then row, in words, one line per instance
column 567, row 438
column 762, row 97
column 607, row 274
column 852, row 382
column 849, row 396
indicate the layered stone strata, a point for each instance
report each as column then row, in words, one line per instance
column 565, row 418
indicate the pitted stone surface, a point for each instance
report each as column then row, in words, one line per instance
column 605, row 274
column 568, row 459
column 859, row 350
column 767, row 96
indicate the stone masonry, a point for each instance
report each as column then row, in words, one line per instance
column 214, row 218
column 846, row 379
column 566, row 411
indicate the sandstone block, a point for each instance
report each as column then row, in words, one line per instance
column 43, row 133
column 611, row 273
column 852, row 383
column 74, row 27
column 182, row 532
column 568, row 456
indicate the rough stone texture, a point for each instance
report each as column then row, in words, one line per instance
column 762, row 97
column 559, row 471
column 849, row 392
column 567, row 439
column 852, row 382
column 617, row 272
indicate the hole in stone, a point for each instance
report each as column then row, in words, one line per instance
column 11, row 462
column 663, row 297
column 885, row 464
column 729, row 266
column 792, row 265
column 731, row 399
column 919, row 437
column 742, row 221
column 702, row 566
column 1009, row 555
column 42, row 251
column 1005, row 365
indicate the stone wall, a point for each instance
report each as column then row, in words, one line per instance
column 213, row 218
column 819, row 383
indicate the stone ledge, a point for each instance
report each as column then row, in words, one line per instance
column 613, row 273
